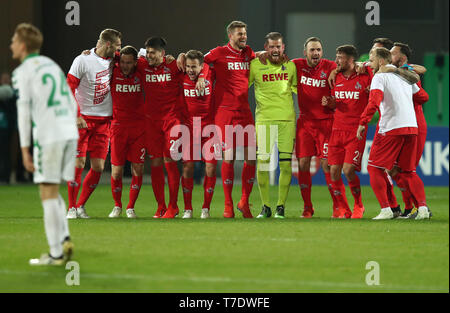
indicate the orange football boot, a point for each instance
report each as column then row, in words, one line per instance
column 244, row 207
column 160, row 212
column 358, row 211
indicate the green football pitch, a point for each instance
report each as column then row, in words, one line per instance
column 222, row 255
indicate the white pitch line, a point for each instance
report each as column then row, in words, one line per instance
column 234, row 280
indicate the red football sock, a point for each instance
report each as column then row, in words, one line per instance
column 337, row 187
column 390, row 191
column 304, row 182
column 116, row 188
column 330, row 189
column 73, row 188
column 406, row 194
column 248, row 178
column 89, row 184
column 187, row 184
column 135, row 187
column 173, row 179
column 157, row 176
column 355, row 188
column 378, row 184
column 227, row 181
column 208, row 186
column 416, row 186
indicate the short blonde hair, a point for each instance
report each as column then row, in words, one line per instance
column 30, row 35
column 235, row 24
column 382, row 53
column 110, row 35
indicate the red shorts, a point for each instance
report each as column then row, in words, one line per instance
column 202, row 148
column 390, row 150
column 127, row 143
column 344, row 147
column 158, row 139
column 237, row 128
column 312, row 138
column 94, row 139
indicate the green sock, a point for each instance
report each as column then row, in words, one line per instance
column 263, row 182
column 284, row 181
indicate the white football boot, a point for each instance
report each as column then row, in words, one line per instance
column 205, row 213
column 385, row 214
column 47, row 260
column 187, row 214
column 81, row 212
column 116, row 212
column 423, row 213
column 131, row 213
column 72, row 213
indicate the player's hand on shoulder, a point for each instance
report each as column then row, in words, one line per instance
column 181, row 62
column 86, row 52
column 263, row 56
column 201, row 84
column 169, row 58
column 81, row 123
column 360, row 68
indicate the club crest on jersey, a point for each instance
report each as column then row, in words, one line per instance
column 323, row 74
column 283, row 68
column 166, row 70
column 358, row 85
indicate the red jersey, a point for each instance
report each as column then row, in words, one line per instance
column 232, row 69
column 199, row 104
column 162, row 87
column 127, row 96
column 351, row 96
column 420, row 117
column 312, row 86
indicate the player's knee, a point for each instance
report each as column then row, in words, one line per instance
column 304, row 164
column 349, row 170
column 137, row 169
column 210, row 170
column 80, row 162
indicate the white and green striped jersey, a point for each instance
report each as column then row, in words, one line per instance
column 45, row 102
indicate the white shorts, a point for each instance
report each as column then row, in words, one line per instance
column 54, row 162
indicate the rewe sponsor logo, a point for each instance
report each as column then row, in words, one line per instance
column 347, row 95
column 238, row 66
column 195, row 93
column 275, row 77
column 313, row 82
column 158, row 78
column 128, row 88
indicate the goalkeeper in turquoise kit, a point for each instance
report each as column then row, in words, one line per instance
column 275, row 119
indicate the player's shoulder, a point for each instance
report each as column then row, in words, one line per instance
column 325, row 63
column 299, row 62
column 255, row 62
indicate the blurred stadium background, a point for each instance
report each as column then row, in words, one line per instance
column 424, row 25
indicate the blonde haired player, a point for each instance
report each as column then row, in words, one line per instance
column 46, row 108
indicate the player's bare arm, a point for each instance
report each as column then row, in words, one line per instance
column 410, row 76
column 27, row 159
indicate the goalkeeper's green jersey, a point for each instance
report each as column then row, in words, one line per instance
column 274, row 84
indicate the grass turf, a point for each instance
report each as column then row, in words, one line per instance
column 221, row 255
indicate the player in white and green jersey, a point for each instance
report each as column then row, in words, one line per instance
column 46, row 108
column 275, row 119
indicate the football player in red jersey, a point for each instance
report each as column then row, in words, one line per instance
column 200, row 114
column 89, row 79
column 162, row 110
column 400, row 54
column 315, row 121
column 349, row 97
column 127, row 129
column 233, row 116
